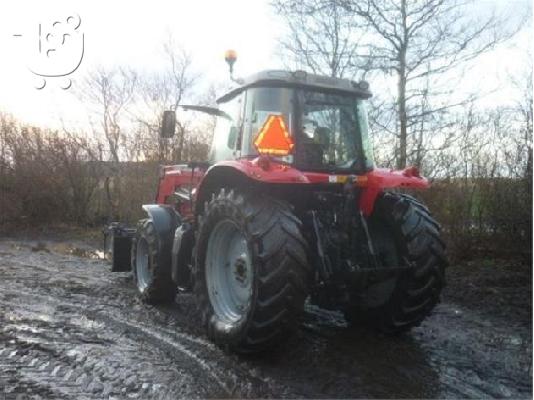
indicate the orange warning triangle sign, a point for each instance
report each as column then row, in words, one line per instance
column 273, row 138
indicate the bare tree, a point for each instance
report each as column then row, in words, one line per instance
column 107, row 93
column 523, row 109
column 162, row 90
column 200, row 133
column 421, row 40
column 322, row 37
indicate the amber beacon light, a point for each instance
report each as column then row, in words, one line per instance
column 230, row 56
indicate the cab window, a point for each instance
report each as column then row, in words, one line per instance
column 260, row 103
column 227, row 131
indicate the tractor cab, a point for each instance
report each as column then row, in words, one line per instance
column 310, row 122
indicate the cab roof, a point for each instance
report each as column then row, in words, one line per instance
column 301, row 79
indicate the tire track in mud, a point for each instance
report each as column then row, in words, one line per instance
column 163, row 340
column 73, row 329
column 98, row 297
column 216, row 385
column 166, row 340
column 94, row 355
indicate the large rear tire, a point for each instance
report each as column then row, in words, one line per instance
column 251, row 273
column 405, row 234
column 151, row 270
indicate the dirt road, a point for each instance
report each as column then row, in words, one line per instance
column 71, row 329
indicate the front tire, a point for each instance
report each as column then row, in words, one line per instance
column 405, row 234
column 150, row 268
column 251, row 271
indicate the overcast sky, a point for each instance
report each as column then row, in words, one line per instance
column 131, row 33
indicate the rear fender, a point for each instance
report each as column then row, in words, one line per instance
column 380, row 179
column 248, row 174
column 223, row 175
column 165, row 218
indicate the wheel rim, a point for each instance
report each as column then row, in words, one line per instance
column 229, row 273
column 142, row 268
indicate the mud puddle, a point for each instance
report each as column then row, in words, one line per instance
column 73, row 250
column 65, row 248
column 71, row 329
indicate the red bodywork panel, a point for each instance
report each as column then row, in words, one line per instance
column 381, row 178
column 265, row 170
column 173, row 177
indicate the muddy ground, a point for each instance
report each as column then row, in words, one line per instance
column 71, row 329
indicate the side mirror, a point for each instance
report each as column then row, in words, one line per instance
column 168, row 125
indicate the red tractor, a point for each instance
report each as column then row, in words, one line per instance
column 289, row 207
